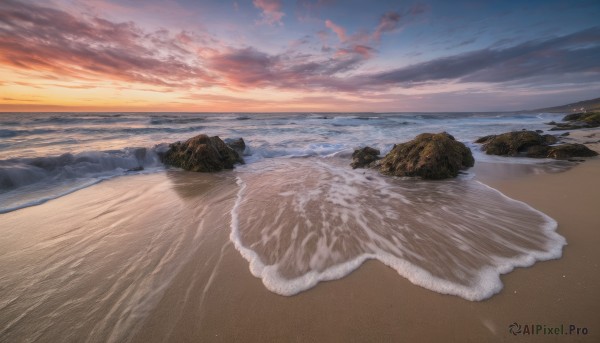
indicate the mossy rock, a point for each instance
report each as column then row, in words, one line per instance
column 566, row 151
column 575, row 121
column 429, row 156
column 513, row 143
column 202, row 154
column 589, row 118
column 364, row 157
column 532, row 144
column 537, row 151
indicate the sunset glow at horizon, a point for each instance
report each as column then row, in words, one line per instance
column 296, row 56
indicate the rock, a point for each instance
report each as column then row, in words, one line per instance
column 578, row 121
column 202, row 154
column 537, row 151
column 364, row 158
column 562, row 127
column 550, row 139
column 539, row 131
column 484, row 139
column 512, row 143
column 236, row 144
column 564, row 134
column 566, row 151
column 532, row 144
column 430, row 156
column 591, row 118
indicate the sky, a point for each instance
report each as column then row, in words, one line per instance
column 297, row 56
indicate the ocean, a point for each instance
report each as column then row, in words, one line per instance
column 83, row 222
column 46, row 155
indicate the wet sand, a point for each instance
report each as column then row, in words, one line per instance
column 198, row 288
column 375, row 304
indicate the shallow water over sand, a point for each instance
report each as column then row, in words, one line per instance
column 90, row 266
column 304, row 221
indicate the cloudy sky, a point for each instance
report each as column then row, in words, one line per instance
column 298, row 55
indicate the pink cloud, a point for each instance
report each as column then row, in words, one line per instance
column 360, row 43
column 365, row 51
column 54, row 42
column 339, row 31
column 249, row 68
column 55, row 45
column 242, row 68
column 271, row 11
column 356, row 44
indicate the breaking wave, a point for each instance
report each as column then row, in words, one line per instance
column 32, row 181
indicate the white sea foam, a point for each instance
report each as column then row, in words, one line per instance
column 316, row 222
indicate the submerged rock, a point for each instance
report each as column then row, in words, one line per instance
column 202, row 154
column 430, row 156
column 365, row 157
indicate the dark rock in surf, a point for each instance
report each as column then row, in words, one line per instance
column 202, row 154
column 236, row 144
column 576, row 121
column 550, row 139
column 537, row 151
column 515, row 143
column 531, row 144
column 567, row 151
column 365, row 157
column 429, row 156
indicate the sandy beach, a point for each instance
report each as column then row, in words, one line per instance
column 375, row 304
column 199, row 288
